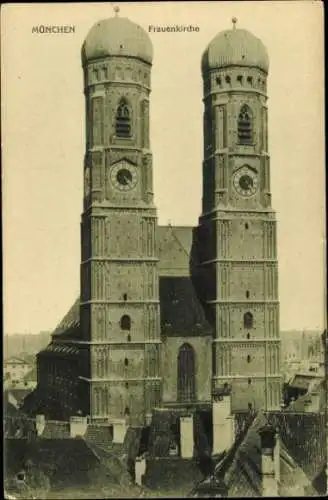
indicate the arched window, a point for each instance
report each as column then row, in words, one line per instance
column 248, row 320
column 125, row 322
column 186, row 373
column 125, row 296
column 129, row 338
column 245, row 133
column 126, row 362
column 127, row 411
column 248, row 359
column 247, row 294
column 123, row 119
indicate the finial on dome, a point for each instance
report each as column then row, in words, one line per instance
column 234, row 22
column 116, row 10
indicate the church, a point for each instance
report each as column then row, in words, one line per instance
column 169, row 317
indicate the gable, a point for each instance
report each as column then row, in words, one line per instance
column 174, row 247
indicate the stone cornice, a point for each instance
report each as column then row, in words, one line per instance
column 121, row 380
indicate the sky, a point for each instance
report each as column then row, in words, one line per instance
column 44, row 143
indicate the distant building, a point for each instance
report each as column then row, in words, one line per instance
column 15, row 369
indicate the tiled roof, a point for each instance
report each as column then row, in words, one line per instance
column 70, row 321
column 304, row 436
column 19, row 394
column 181, row 311
column 61, row 349
column 56, row 430
column 99, row 435
column 304, row 380
column 240, row 469
column 172, row 475
column 174, row 247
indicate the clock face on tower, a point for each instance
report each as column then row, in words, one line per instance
column 245, row 181
column 124, row 176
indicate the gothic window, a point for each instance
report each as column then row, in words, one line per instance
column 125, row 322
column 126, row 362
column 246, row 225
column 248, row 335
column 248, row 320
column 249, row 381
column 125, row 296
column 186, row 373
column 218, row 80
column 123, row 119
column 245, row 133
column 248, row 359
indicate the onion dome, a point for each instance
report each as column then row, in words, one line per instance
column 235, row 47
column 117, row 36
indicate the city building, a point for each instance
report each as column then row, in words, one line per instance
column 169, row 315
column 15, row 369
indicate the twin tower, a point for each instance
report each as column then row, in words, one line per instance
column 127, row 365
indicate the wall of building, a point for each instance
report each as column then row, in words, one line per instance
column 203, row 356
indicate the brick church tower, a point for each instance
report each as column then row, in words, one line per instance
column 119, row 308
column 237, row 275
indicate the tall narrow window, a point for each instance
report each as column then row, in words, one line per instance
column 248, row 320
column 97, row 121
column 245, row 133
column 186, row 373
column 123, row 119
column 125, row 322
column 248, row 359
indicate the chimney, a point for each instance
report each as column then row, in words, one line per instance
column 270, row 461
column 223, row 420
column 119, row 430
column 78, row 426
column 187, row 436
column 40, row 423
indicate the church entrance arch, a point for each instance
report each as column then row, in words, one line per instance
column 186, row 374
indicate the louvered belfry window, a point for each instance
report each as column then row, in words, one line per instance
column 123, row 119
column 186, row 373
column 245, row 132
